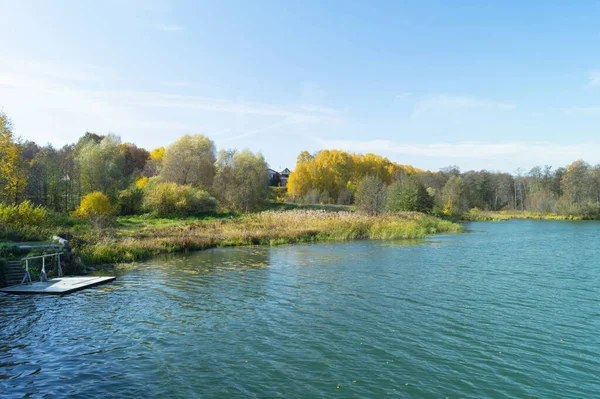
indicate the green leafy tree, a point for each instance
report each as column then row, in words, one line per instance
column 407, row 194
column 101, row 166
column 453, row 196
column 190, row 160
column 370, row 196
column 242, row 180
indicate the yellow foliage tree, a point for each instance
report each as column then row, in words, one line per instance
column 96, row 207
column 157, row 154
column 333, row 172
column 141, row 182
column 13, row 171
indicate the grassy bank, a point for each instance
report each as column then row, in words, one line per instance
column 477, row 215
column 136, row 238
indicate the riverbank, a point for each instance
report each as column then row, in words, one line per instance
column 138, row 238
column 477, row 215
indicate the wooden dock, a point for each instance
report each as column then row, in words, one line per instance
column 57, row 286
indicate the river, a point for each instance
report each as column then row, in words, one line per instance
column 508, row 309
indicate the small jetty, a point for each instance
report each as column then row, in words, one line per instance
column 19, row 281
column 57, row 286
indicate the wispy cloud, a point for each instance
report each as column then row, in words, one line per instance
column 402, row 96
column 594, row 78
column 168, row 28
column 66, row 107
column 446, row 102
column 590, row 111
column 178, row 83
column 542, row 152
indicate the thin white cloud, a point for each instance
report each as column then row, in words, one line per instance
column 66, row 107
column 446, row 103
column 53, row 72
column 178, row 83
column 253, row 132
column 168, row 28
column 590, row 111
column 403, row 95
column 594, row 78
column 537, row 152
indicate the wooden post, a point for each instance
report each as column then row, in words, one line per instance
column 27, row 277
column 60, row 272
column 43, row 277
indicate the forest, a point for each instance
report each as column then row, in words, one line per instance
column 99, row 177
column 332, row 176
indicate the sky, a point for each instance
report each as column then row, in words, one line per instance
column 496, row 86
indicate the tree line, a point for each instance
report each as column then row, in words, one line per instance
column 375, row 184
column 190, row 177
column 101, row 174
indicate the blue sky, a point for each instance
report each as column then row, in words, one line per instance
column 428, row 83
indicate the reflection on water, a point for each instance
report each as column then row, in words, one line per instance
column 509, row 310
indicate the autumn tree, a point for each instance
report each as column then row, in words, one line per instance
column 241, row 182
column 44, row 185
column 190, row 160
column 101, row 166
column 576, row 184
column 13, row 177
column 453, row 196
column 154, row 164
column 96, row 208
column 335, row 174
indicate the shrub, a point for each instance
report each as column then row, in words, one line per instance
column 172, row 199
column 95, row 207
column 24, row 222
column 130, row 201
column 9, row 251
column 278, row 194
column 24, row 214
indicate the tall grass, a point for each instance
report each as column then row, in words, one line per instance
column 477, row 215
column 266, row 228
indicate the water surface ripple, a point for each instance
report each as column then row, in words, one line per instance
column 508, row 310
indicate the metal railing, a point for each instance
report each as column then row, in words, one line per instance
column 43, row 276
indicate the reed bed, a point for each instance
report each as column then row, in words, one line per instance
column 265, row 228
column 476, row 215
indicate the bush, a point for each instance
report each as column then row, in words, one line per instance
column 172, row 199
column 24, row 214
column 130, row 201
column 9, row 251
column 24, row 222
column 95, row 207
column 277, row 194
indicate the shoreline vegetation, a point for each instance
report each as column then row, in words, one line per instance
column 139, row 238
column 117, row 202
column 478, row 215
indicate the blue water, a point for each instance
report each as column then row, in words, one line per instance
column 508, row 309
